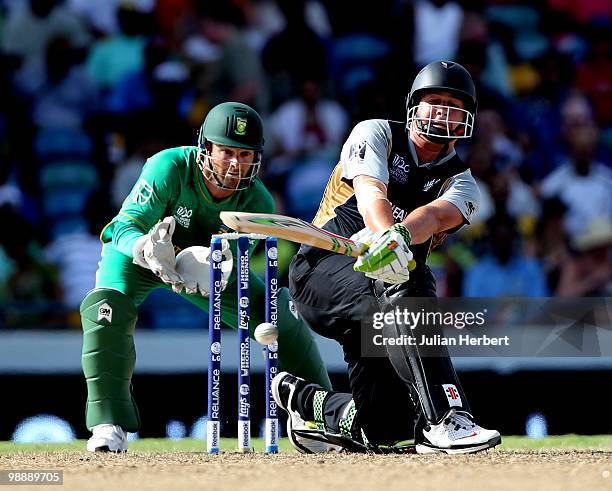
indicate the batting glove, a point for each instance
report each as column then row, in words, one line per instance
column 366, row 237
column 388, row 258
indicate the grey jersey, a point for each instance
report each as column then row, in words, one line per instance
column 367, row 151
column 382, row 149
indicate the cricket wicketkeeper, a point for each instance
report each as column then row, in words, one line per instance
column 399, row 187
column 174, row 205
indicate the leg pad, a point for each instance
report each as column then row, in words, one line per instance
column 108, row 318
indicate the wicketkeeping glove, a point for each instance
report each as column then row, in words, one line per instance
column 193, row 265
column 155, row 251
column 388, row 258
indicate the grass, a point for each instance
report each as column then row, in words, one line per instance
column 143, row 445
column 153, row 445
column 597, row 442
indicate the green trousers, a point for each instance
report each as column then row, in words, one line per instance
column 298, row 353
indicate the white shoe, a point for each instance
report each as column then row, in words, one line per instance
column 284, row 386
column 107, row 438
column 457, row 433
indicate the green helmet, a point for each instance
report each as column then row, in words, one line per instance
column 233, row 124
column 230, row 124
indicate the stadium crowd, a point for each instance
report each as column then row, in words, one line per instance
column 91, row 89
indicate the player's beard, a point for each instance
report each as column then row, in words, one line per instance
column 231, row 179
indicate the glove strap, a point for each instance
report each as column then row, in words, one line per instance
column 403, row 231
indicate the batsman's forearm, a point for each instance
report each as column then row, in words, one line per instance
column 422, row 224
column 379, row 215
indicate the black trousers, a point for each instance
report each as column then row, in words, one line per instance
column 334, row 300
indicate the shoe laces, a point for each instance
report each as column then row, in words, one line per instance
column 460, row 419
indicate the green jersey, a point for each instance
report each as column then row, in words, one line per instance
column 172, row 184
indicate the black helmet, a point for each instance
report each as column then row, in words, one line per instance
column 446, row 76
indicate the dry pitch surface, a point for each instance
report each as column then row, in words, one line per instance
column 497, row 469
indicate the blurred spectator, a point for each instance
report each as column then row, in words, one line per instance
column 353, row 16
column 578, row 115
column 589, row 271
column 173, row 17
column 594, row 76
column 505, row 271
column 537, row 117
column 62, row 94
column 113, row 57
column 492, row 130
column 173, row 96
column 32, row 24
column 512, row 196
column 307, row 133
column 494, row 160
column 133, row 92
column 139, row 146
column 295, row 53
column 10, row 194
column 437, row 24
column 100, row 16
column 483, row 52
column 583, row 11
column 509, row 193
column 551, row 243
column 582, row 184
column 76, row 254
column 236, row 74
column 29, row 277
column 480, row 161
column 154, row 120
column 473, row 55
column 308, row 123
column 63, row 131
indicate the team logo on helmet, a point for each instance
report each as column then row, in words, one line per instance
column 241, row 126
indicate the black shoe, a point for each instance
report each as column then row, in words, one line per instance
column 284, row 388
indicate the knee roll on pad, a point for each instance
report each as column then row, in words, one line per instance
column 105, row 306
column 109, row 317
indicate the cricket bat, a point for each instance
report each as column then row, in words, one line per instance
column 292, row 229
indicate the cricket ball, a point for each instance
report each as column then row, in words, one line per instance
column 266, row 333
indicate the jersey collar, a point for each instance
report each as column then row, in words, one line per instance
column 413, row 153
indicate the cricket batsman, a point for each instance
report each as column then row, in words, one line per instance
column 399, row 187
column 175, row 204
